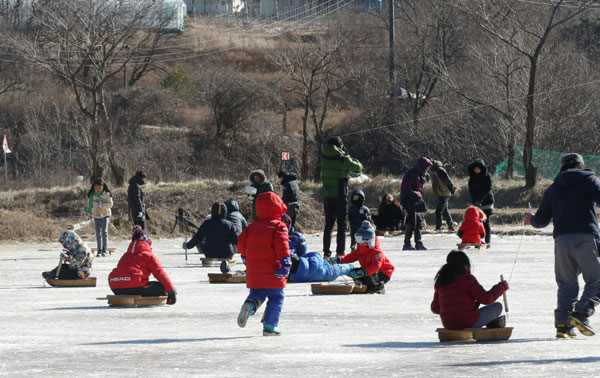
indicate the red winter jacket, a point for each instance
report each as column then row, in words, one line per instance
column 471, row 230
column 264, row 243
column 458, row 303
column 135, row 266
column 372, row 260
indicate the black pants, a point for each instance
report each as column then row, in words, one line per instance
column 413, row 225
column 139, row 222
column 66, row 273
column 153, row 289
column 336, row 210
column 486, row 225
column 374, row 282
column 292, row 210
column 441, row 210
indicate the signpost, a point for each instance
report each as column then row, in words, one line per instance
column 6, row 151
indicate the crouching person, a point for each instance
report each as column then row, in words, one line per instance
column 265, row 251
column 76, row 259
column 217, row 236
column 131, row 276
column 375, row 268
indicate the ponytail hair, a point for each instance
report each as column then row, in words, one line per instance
column 455, row 265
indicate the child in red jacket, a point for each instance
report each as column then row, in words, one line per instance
column 471, row 230
column 131, row 276
column 265, row 251
column 458, row 295
column 375, row 268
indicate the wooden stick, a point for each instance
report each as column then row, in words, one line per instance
column 504, row 296
column 60, row 263
column 186, row 251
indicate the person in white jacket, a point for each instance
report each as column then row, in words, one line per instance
column 99, row 205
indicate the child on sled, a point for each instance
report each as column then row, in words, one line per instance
column 76, row 259
column 471, row 230
column 458, row 295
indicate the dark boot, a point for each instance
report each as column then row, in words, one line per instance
column 581, row 322
column 499, row 322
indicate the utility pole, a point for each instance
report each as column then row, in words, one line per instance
column 392, row 63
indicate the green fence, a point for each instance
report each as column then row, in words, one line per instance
column 547, row 163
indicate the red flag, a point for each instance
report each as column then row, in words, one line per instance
column 5, row 146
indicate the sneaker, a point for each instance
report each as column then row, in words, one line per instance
column 564, row 332
column 326, row 254
column 408, row 247
column 438, row 229
column 580, row 321
column 420, row 247
column 224, row 267
column 499, row 322
column 451, row 229
column 246, row 311
column 269, row 330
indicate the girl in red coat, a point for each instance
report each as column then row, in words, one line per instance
column 131, row 276
column 458, row 295
column 265, row 251
column 375, row 268
column 471, row 230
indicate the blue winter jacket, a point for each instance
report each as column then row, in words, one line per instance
column 217, row 233
column 570, row 202
column 297, row 243
column 313, row 268
column 357, row 211
column 235, row 216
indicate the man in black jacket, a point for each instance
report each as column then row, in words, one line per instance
column 135, row 199
column 570, row 203
column 217, row 233
column 291, row 193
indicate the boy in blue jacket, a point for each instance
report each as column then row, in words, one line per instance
column 357, row 213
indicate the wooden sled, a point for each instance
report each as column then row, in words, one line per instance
column 88, row 282
column 463, row 246
column 133, row 301
column 329, row 289
column 216, row 278
column 208, row 261
column 474, row 334
column 110, row 251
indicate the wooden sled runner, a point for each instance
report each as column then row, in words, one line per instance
column 88, row 282
column 463, row 246
column 133, row 301
column 328, row 289
column 216, row 278
column 110, row 251
column 208, row 261
column 475, row 334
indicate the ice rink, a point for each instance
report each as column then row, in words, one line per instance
column 61, row 332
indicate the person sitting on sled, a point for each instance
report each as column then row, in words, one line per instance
column 458, row 295
column 375, row 268
column 472, row 231
column 132, row 274
column 216, row 236
column 76, row 259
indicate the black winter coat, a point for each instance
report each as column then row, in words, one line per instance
column 135, row 198
column 480, row 186
column 291, row 190
column 218, row 234
column 235, row 216
column 357, row 211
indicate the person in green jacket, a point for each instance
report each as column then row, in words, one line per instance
column 336, row 166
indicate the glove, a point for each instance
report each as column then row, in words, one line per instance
column 504, row 285
column 184, row 245
column 357, row 273
column 171, row 297
column 334, row 260
column 284, row 271
column 90, row 217
column 64, row 257
column 244, row 259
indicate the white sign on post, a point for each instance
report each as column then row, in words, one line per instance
column 285, row 156
column 5, row 146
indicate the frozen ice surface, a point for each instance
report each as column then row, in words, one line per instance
column 59, row 332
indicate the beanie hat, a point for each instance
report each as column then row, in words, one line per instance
column 569, row 159
column 366, row 233
column 139, row 233
column 336, row 141
column 288, row 221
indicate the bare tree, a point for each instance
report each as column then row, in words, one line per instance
column 526, row 28
column 87, row 43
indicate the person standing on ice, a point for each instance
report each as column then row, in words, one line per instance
column 480, row 188
column 131, row 276
column 99, row 204
column 570, row 203
column 336, row 166
column 443, row 188
column 291, row 193
column 135, row 199
column 258, row 181
column 411, row 198
column 265, row 250
column 458, row 295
